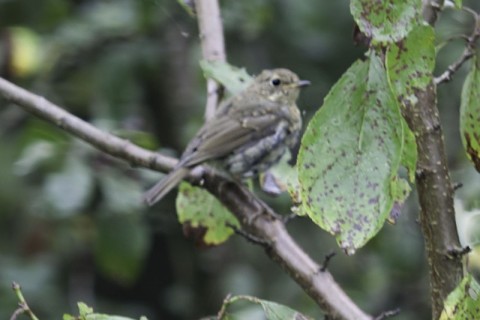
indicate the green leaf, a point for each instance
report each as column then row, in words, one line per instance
column 121, row 246
column 473, row 262
column 33, row 156
column 350, row 154
column 233, row 78
column 86, row 313
column 410, row 64
column 400, row 190
column 463, row 302
column 122, row 193
column 200, row 210
column 271, row 310
column 470, row 115
column 458, row 4
column 68, row 191
column 101, row 316
column 83, row 309
column 386, row 21
column 27, row 49
column 189, row 6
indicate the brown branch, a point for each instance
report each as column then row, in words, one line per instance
column 434, row 187
column 256, row 217
column 435, row 193
column 213, row 46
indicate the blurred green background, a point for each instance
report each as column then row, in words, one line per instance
column 72, row 225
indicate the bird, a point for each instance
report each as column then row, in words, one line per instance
column 249, row 132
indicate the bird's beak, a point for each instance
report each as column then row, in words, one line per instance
column 303, row 83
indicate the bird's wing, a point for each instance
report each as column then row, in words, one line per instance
column 222, row 135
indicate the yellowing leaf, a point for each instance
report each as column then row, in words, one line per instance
column 203, row 211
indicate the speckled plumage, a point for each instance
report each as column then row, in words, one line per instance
column 248, row 133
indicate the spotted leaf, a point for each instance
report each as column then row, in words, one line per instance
column 463, row 302
column 470, row 115
column 386, row 21
column 350, row 155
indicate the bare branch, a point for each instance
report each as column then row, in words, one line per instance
column 256, row 217
column 447, row 74
column 259, row 220
column 388, row 314
column 434, row 187
column 105, row 142
column 213, row 46
column 468, row 52
column 435, row 193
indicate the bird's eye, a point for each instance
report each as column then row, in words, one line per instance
column 276, row 82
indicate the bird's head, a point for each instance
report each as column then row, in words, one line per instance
column 279, row 85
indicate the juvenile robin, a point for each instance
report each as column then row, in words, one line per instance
column 248, row 133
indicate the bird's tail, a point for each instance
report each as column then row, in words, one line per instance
column 159, row 190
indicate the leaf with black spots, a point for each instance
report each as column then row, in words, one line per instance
column 470, row 115
column 350, row 155
column 388, row 20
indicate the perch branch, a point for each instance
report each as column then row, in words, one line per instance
column 256, row 217
column 117, row 147
column 259, row 220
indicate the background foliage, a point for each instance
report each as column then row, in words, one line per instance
column 72, row 227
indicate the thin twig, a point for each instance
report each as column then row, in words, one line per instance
column 468, row 52
column 223, row 309
column 321, row 286
column 23, row 305
column 250, row 237
column 289, row 217
column 456, row 253
column 388, row 314
column 327, row 260
column 256, row 217
column 457, row 185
